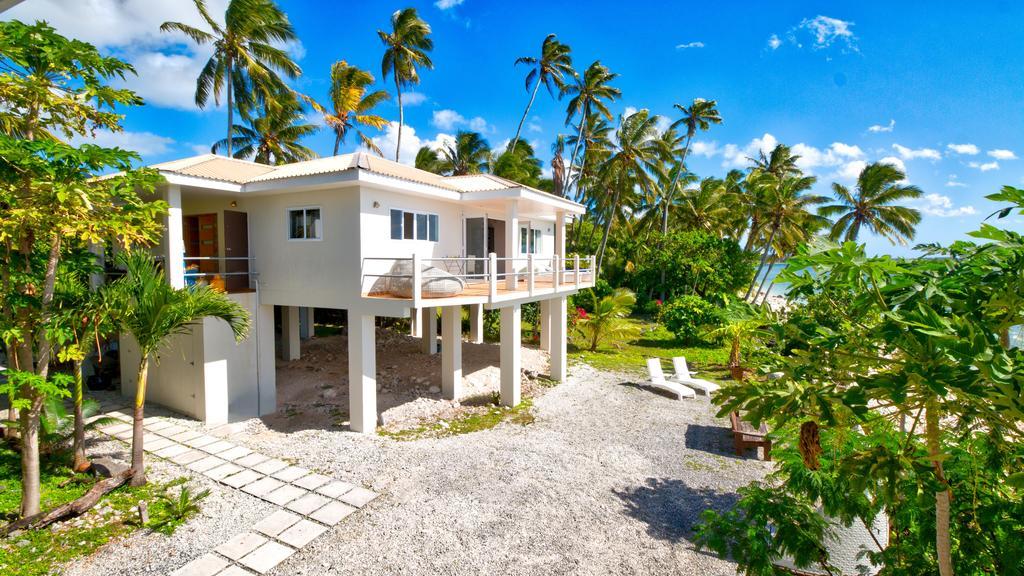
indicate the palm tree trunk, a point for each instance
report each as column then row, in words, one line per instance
column 80, row 463
column 764, row 280
column 401, row 116
column 752, row 233
column 572, row 159
column 138, row 466
column 764, row 257
column 942, row 497
column 607, row 230
column 337, row 143
column 522, row 120
column 231, row 106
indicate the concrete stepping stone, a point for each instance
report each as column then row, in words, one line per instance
column 124, row 434
column 266, row 557
column 262, row 487
column 235, row 453
column 285, row 494
column 172, row 430
column 242, row 478
column 173, row 450
column 335, row 489
column 270, row 466
column 307, row 504
column 200, row 441
column 302, row 533
column 290, row 474
column 185, row 436
column 251, row 460
column 157, row 426
column 205, row 464
column 115, row 428
column 276, row 523
column 241, row 545
column 332, row 513
column 121, row 415
column 157, row 443
column 312, row 481
column 186, row 458
column 234, row 570
column 218, row 447
column 223, row 471
column 207, row 565
column 358, row 497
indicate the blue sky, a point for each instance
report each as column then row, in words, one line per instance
column 935, row 87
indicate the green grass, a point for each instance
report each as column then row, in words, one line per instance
column 652, row 340
column 38, row 552
column 474, row 422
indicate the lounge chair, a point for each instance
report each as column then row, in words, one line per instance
column 657, row 380
column 683, row 375
column 745, row 436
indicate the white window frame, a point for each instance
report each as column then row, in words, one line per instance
column 415, row 225
column 288, row 223
column 534, row 240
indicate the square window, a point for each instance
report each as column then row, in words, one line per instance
column 396, row 224
column 304, row 224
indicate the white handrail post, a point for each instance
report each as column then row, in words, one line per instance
column 576, row 270
column 492, row 275
column 556, row 272
column 529, row 278
column 417, row 281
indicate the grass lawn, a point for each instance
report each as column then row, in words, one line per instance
column 652, row 340
column 37, row 552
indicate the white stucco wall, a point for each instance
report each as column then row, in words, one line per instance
column 175, row 377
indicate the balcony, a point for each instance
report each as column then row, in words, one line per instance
column 228, row 274
column 469, row 280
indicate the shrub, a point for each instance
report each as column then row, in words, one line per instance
column 692, row 262
column 688, row 317
column 606, row 318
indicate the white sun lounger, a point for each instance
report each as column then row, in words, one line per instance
column 684, row 376
column 657, row 380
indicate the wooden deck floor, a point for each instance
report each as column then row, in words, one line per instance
column 542, row 284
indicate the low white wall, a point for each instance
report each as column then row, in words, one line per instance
column 175, row 374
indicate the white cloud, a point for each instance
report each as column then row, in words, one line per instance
column 478, row 124
column 850, row 171
column 446, row 4
column 705, row 149
column 1002, row 154
column 689, row 45
column 169, row 80
column 413, row 98
column 145, row 143
column 828, row 31
column 411, row 142
column 984, row 167
column 911, row 154
column 894, row 161
column 883, row 128
column 200, row 148
column 774, row 42
column 533, row 125
column 954, row 182
column 451, row 120
column 967, row 149
column 736, row 157
column 940, row 205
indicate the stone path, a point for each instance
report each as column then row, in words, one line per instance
column 310, row 503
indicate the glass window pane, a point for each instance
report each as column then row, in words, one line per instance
column 407, row 218
column 313, row 223
column 433, row 227
column 522, row 241
column 536, row 242
column 296, row 228
column 421, row 226
column 396, row 224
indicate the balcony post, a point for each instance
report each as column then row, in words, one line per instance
column 476, row 323
column 560, row 234
column 556, row 272
column 529, row 274
column 576, row 271
column 174, row 238
column 558, row 325
column 492, row 275
column 417, row 281
column 511, row 242
column 428, row 329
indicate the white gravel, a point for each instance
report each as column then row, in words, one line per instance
column 609, row 480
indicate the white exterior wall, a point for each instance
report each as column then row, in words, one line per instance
column 175, row 375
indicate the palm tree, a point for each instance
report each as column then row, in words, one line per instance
column 591, row 93
column 607, row 318
column 699, row 116
column 780, row 163
column 558, row 166
column 703, row 208
column 468, row 154
column 406, row 48
column 352, row 105
column 519, row 165
column 428, row 159
column 273, row 137
column 554, row 64
column 878, row 187
column 152, row 311
column 244, row 53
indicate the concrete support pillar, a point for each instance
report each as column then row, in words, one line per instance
column 290, row 346
column 545, row 325
column 414, row 322
column 451, row 352
column 362, row 374
column 476, row 323
column 558, row 322
column 560, row 234
column 174, row 239
column 428, row 329
column 306, row 325
column 511, row 364
column 511, row 242
column 266, row 369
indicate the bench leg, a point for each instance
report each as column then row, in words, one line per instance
column 738, row 443
column 768, row 451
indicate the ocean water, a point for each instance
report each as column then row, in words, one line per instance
column 775, row 288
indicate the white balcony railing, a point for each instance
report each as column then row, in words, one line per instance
column 230, row 274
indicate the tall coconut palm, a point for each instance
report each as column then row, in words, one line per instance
column 779, row 163
column 551, row 70
column 700, row 115
column 244, row 54
column 519, row 165
column 878, row 187
column 152, row 312
column 558, row 166
column 273, row 137
column 702, row 207
column 406, row 48
column 428, row 159
column 352, row 105
column 468, row 154
column 591, row 93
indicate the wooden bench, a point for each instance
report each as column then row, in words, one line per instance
column 744, row 436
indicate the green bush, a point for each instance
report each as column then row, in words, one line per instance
column 689, row 317
column 692, row 262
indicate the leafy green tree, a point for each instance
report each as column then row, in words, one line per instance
column 152, row 311
column 551, row 69
column 607, row 318
column 705, row 207
column 468, row 154
column 274, row 136
column 246, row 57
column 694, row 261
column 407, row 47
column 879, row 186
column 687, row 317
column 52, row 86
column 352, row 105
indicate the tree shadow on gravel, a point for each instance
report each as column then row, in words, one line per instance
column 716, row 440
column 670, row 507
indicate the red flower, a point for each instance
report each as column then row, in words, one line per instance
column 581, row 313
column 659, row 302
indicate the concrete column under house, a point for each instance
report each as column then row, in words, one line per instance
column 306, row 325
column 476, row 323
column 451, row 352
column 511, row 361
column 428, row 330
column 558, row 324
column 362, row 374
column 545, row 325
column 290, row 333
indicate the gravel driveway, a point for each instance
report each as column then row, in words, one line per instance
column 609, row 480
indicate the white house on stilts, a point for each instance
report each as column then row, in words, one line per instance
column 360, row 233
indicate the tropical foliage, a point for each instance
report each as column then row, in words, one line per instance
column 606, row 318
column 406, row 49
column 272, row 137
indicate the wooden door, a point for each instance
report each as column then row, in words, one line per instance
column 236, row 245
